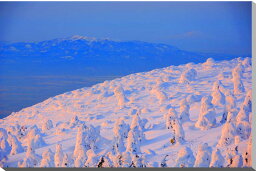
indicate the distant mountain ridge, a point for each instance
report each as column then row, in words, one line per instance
column 91, row 55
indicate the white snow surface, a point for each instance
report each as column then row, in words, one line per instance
column 98, row 106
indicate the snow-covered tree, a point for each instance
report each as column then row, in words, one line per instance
column 218, row 98
column 206, row 104
column 160, row 94
column 209, row 63
column 74, row 122
column 133, row 144
column 248, row 154
column 118, row 145
column 26, row 163
column 247, row 62
column 184, row 111
column 81, row 147
column 66, row 162
column 137, row 126
column 125, row 159
column 92, row 136
column 31, row 155
column 173, row 123
column 228, row 132
column 234, row 158
column 170, row 117
column 207, row 116
column 185, row 158
column 203, row 157
column 246, row 108
column 138, row 161
column 47, row 125
column 188, row 75
column 47, row 159
column 104, row 162
column 243, row 129
column 206, row 120
column 5, row 147
column 163, row 162
column 3, row 134
column 15, row 144
column 237, row 74
column 217, row 159
column 121, row 129
column 230, row 100
column 120, row 95
column 92, row 160
column 58, row 157
column 238, row 86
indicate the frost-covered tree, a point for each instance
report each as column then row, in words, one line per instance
column 173, row 123
column 238, row 86
column 137, row 161
column 160, row 94
column 133, row 144
column 92, row 136
column 207, row 116
column 184, row 111
column 163, row 162
column 230, row 100
column 105, row 162
column 92, row 160
column 247, row 62
column 203, row 157
column 188, row 75
column 243, row 129
column 206, row 120
column 118, row 145
column 137, row 126
column 125, row 159
column 5, row 147
column 47, row 125
column 3, row 134
column 234, row 159
column 248, row 154
column 170, row 117
column 228, row 132
column 246, row 108
column 206, row 104
column 218, row 98
column 66, row 162
column 120, row 95
column 209, row 63
column 185, row 158
column 217, row 159
column 31, row 155
column 15, row 144
column 237, row 74
column 26, row 163
column 58, row 157
column 47, row 159
column 121, row 129
column 74, row 122
column 81, row 147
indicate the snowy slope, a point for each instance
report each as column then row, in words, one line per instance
column 100, row 105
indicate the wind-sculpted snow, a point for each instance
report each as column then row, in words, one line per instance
column 148, row 119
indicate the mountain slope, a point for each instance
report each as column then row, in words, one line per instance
column 101, row 105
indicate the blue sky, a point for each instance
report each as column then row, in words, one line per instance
column 220, row 27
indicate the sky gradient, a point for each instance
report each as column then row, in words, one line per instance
column 219, row 27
